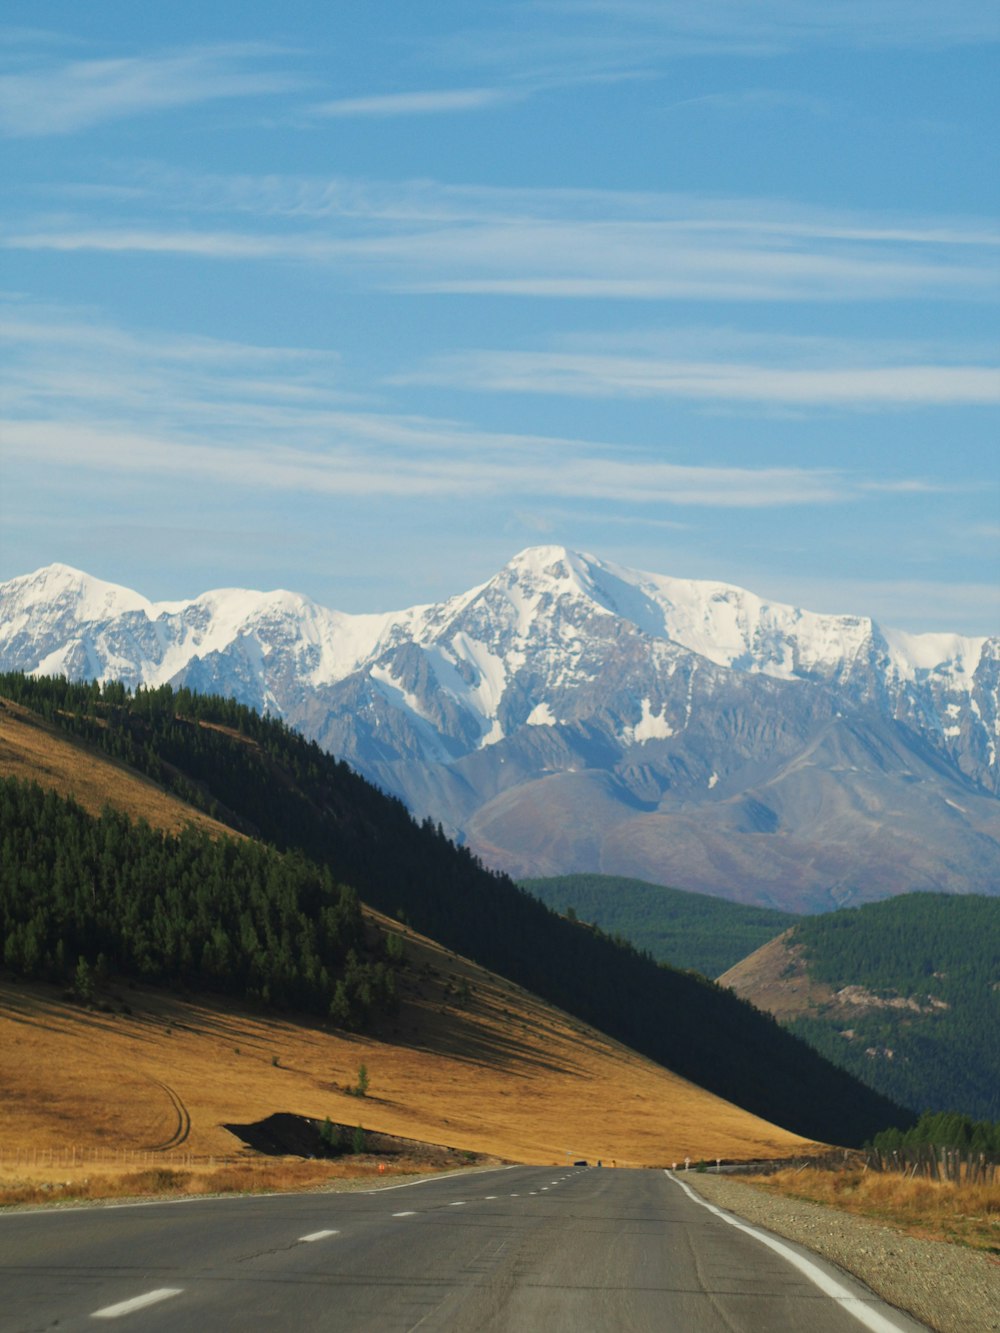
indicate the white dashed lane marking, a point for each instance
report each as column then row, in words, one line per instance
column 319, row 1235
column 136, row 1303
column 409, row 1214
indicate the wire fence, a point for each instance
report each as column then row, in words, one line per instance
column 101, row 1156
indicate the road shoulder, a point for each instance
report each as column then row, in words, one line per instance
column 948, row 1287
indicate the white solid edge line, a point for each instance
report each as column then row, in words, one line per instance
column 136, row 1303
column 319, row 1235
column 861, row 1310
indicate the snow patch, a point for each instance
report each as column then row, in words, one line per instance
column 541, row 716
column 495, row 733
column 650, row 727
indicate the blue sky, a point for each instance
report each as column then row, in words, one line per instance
column 359, row 300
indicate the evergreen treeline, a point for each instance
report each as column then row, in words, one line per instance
column 690, row 930
column 82, row 897
column 943, row 1129
column 943, row 952
column 272, row 783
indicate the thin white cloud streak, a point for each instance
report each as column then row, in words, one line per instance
column 426, row 204
column 424, row 237
column 86, row 401
column 646, row 30
column 467, row 466
column 207, row 245
column 795, row 22
column 444, row 101
column 71, row 96
column 568, row 260
column 594, row 376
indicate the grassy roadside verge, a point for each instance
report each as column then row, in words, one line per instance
column 251, row 1177
column 929, row 1209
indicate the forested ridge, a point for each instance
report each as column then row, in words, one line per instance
column 942, row 953
column 259, row 776
column 690, row 930
column 82, row 898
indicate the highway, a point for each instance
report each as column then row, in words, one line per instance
column 521, row 1248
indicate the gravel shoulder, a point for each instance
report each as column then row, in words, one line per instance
column 949, row 1288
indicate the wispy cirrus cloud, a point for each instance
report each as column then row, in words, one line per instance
column 795, row 23
column 382, row 458
column 432, row 102
column 616, row 33
column 589, row 375
column 51, row 97
column 422, row 237
column 89, row 401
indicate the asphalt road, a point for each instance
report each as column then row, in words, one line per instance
column 523, row 1249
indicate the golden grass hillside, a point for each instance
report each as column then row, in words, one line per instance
column 34, row 750
column 470, row 1061
column 775, row 978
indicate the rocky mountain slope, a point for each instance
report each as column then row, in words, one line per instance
column 571, row 715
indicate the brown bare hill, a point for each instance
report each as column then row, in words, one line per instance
column 775, row 978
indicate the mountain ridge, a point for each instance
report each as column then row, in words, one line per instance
column 705, row 736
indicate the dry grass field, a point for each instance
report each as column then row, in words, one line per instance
column 774, row 978
column 497, row 1073
column 471, row 1061
column 36, row 751
column 929, row 1209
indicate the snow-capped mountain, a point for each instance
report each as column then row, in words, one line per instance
column 572, row 714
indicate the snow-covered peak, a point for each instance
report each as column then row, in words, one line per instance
column 530, row 642
column 70, row 590
column 726, row 624
column 736, row 628
column 916, row 655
